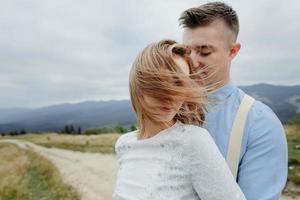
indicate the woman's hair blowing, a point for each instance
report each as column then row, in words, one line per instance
column 155, row 73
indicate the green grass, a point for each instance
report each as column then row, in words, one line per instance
column 293, row 138
column 26, row 175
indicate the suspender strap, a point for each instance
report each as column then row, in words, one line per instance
column 236, row 136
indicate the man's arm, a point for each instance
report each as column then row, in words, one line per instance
column 263, row 168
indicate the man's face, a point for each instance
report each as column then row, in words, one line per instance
column 210, row 51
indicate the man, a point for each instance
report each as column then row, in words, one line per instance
column 211, row 31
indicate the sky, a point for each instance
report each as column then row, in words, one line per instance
column 59, row 51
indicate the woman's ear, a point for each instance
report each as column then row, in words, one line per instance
column 235, row 48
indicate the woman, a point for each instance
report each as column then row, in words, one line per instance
column 170, row 156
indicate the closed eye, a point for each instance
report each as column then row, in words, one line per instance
column 204, row 50
column 205, row 54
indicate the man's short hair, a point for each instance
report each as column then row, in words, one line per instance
column 208, row 13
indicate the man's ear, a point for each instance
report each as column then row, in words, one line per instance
column 235, row 48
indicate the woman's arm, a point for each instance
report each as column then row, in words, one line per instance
column 210, row 175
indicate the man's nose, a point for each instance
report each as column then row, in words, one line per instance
column 197, row 61
column 199, row 64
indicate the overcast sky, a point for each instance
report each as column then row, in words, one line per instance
column 56, row 51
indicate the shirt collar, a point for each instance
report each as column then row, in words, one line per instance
column 224, row 91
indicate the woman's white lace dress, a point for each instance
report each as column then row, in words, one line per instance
column 182, row 162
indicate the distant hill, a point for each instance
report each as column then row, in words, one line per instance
column 88, row 114
column 284, row 100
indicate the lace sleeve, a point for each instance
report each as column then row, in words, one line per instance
column 211, row 177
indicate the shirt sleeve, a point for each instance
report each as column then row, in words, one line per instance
column 210, row 175
column 120, row 145
column 263, row 168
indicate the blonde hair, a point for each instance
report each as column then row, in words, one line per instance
column 155, row 73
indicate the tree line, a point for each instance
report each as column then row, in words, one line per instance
column 77, row 130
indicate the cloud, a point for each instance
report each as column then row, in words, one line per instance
column 70, row 51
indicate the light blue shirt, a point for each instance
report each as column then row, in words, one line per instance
column 262, row 170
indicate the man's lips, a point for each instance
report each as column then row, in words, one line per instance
column 202, row 75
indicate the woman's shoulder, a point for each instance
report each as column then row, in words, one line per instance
column 200, row 145
column 126, row 137
column 197, row 135
column 123, row 140
column 195, row 131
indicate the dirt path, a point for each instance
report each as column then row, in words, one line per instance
column 93, row 175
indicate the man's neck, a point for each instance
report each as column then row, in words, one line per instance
column 222, row 83
column 212, row 87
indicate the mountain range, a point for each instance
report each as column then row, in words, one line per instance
column 284, row 100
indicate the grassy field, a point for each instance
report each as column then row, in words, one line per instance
column 103, row 143
column 293, row 137
column 26, row 175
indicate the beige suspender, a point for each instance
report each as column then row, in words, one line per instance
column 236, row 136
